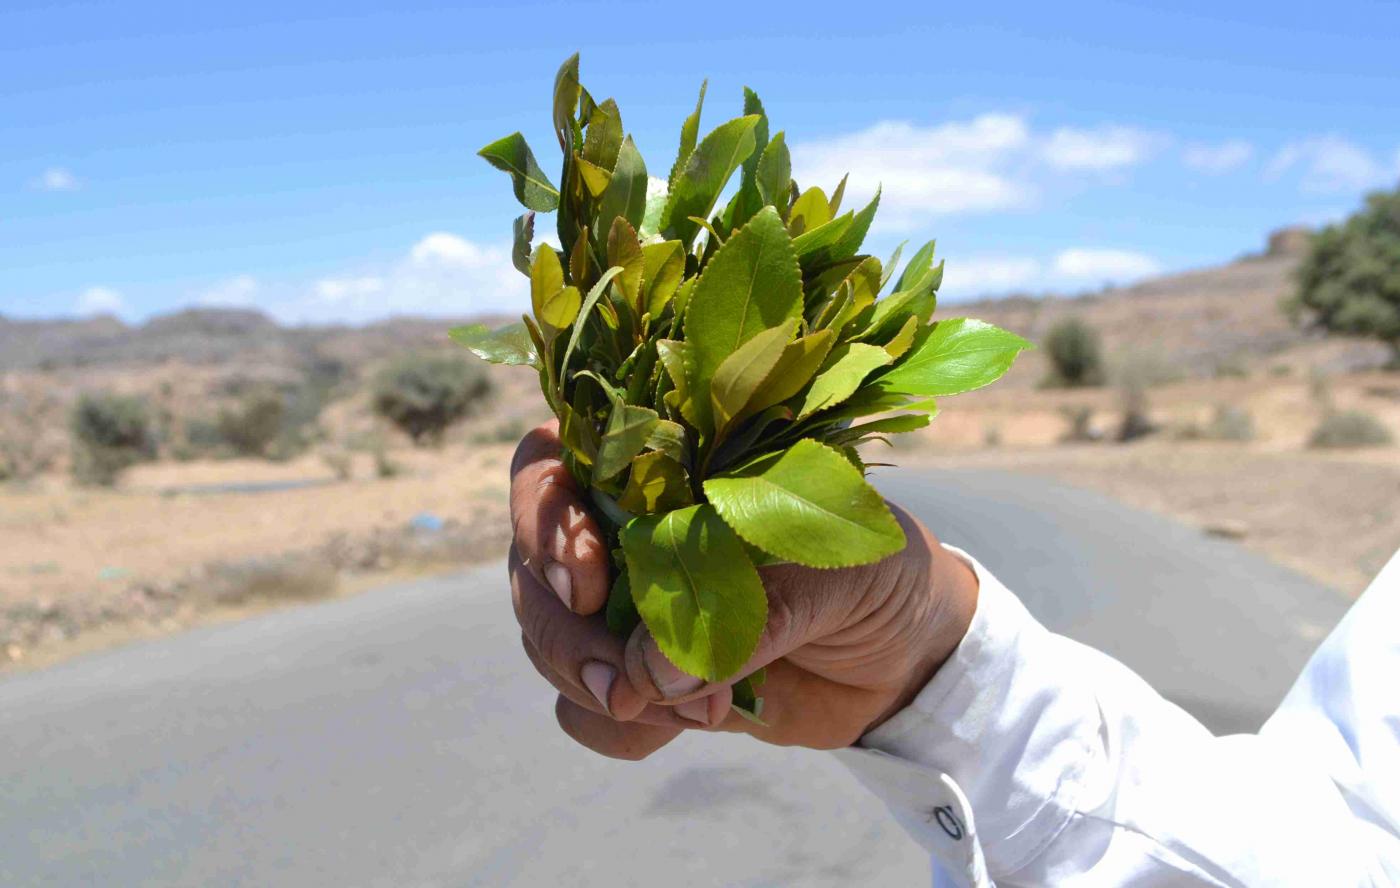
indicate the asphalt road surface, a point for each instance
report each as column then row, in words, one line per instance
column 399, row 738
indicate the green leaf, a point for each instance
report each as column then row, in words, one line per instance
column 577, row 434
column 838, row 194
column 854, row 236
column 663, row 267
column 626, row 194
column 890, row 425
column 677, row 356
column 595, row 178
column 696, row 589
column 746, row 702
column 509, row 345
column 657, row 484
column 748, row 199
column 546, row 282
column 799, row 363
column 954, row 356
column 625, row 251
column 810, row 211
column 848, row 367
column 566, row 96
column 741, row 374
column 651, row 216
column 891, row 264
column 774, row 174
column 695, row 189
column 524, row 231
column 622, row 613
column 899, row 343
column 588, row 302
column 690, row 130
column 628, row 429
column 814, row 245
column 751, row 284
column 669, row 438
column 919, row 265
column 604, row 136
column 532, row 187
column 809, row 505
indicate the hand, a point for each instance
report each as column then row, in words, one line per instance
column 843, row 649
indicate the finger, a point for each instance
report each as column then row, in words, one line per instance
column 631, row 740
column 579, row 648
column 556, row 535
column 582, row 693
column 804, row 606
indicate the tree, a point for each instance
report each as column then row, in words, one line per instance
column 110, row 434
column 1075, row 356
column 252, row 425
column 1350, row 280
column 423, row 394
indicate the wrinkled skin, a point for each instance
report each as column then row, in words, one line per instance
column 844, row 649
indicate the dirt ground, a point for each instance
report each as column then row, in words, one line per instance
column 183, row 543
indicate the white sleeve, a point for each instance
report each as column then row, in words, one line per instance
column 1031, row 759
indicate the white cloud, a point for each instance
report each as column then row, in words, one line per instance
column 443, row 274
column 56, row 179
column 1100, row 265
column 1217, row 158
column 958, row 167
column 979, row 275
column 236, row 291
column 1101, row 149
column 1329, row 165
column 100, row 301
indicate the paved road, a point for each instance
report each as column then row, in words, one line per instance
column 399, row 738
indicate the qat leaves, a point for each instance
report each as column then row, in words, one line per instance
column 532, row 187
column 509, row 345
column 954, row 356
column 628, row 429
column 774, row 174
column 523, row 230
column 697, row 590
column 657, row 484
column 848, row 368
column 809, row 505
column 626, row 194
column 751, row 284
column 740, row 375
column 697, row 186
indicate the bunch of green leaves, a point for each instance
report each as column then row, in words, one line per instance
column 714, row 367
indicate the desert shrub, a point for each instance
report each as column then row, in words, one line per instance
column 1080, row 420
column 1230, row 424
column 1349, row 282
column 340, row 462
column 1137, row 423
column 423, row 394
column 1076, row 357
column 1349, row 428
column 110, row 434
column 253, row 424
column 1231, row 368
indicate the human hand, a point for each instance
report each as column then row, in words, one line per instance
column 843, row 649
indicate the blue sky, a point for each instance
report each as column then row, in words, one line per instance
column 318, row 160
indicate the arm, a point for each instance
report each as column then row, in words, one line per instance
column 1059, row 764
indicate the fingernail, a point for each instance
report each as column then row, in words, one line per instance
column 695, row 710
column 560, row 581
column 598, row 678
column 669, row 680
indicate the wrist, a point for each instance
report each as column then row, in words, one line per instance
column 951, row 604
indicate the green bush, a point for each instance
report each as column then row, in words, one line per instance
column 423, row 394
column 1350, row 428
column 1350, row 280
column 1231, row 424
column 1076, row 358
column 253, row 424
column 110, row 434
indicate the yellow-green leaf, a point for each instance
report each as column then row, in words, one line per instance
column 954, row 356
column 546, row 280
column 741, row 374
column 663, row 267
column 809, row 505
column 657, row 484
column 696, row 589
column 848, row 366
column 697, row 187
column 532, row 187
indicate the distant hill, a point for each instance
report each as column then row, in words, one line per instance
column 1196, row 320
